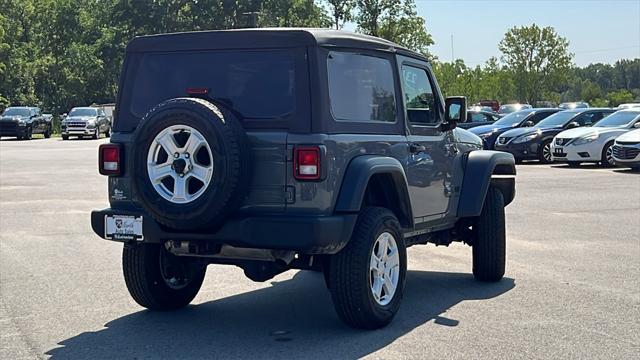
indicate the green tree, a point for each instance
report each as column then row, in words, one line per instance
column 539, row 59
column 590, row 91
column 341, row 11
column 396, row 21
column 618, row 97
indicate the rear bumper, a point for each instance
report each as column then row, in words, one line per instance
column 305, row 234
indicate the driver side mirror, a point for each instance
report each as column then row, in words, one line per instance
column 528, row 123
column 636, row 125
column 572, row 125
column 455, row 110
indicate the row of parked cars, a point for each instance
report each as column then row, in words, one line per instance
column 599, row 135
column 23, row 122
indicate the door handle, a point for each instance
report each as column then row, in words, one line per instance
column 416, row 148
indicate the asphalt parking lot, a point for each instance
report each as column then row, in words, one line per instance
column 572, row 286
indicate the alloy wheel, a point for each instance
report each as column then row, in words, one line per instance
column 384, row 268
column 180, row 164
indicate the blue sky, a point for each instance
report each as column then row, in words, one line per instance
column 597, row 30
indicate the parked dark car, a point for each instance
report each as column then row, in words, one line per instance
column 24, row 121
column 522, row 118
column 509, row 108
column 478, row 118
column 535, row 142
column 278, row 149
column 86, row 121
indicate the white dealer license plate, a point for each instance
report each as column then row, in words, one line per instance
column 123, row 227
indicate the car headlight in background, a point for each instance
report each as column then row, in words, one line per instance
column 586, row 139
column 522, row 139
column 21, row 122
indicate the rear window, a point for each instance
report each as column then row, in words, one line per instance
column 256, row 84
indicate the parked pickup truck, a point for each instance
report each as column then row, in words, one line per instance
column 278, row 149
column 86, row 121
column 24, row 121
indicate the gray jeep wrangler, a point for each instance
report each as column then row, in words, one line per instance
column 288, row 149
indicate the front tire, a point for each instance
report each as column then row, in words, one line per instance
column 65, row 137
column 47, row 133
column 606, row 159
column 367, row 277
column 545, row 153
column 489, row 245
column 28, row 134
column 159, row 280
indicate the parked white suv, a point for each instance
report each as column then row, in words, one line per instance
column 594, row 144
column 626, row 150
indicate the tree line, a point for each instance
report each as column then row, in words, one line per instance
column 63, row 53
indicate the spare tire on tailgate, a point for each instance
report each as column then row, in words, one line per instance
column 191, row 164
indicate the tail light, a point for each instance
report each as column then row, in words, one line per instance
column 110, row 159
column 306, row 163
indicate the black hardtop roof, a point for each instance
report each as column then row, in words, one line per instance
column 262, row 38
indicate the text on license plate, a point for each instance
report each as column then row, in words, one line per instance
column 123, row 227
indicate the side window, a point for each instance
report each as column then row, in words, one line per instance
column 418, row 95
column 587, row 119
column 478, row 117
column 361, row 87
column 537, row 117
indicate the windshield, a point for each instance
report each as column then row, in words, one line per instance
column 512, row 119
column 557, row 119
column 620, row 118
column 16, row 112
column 83, row 112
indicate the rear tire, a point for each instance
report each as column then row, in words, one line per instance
column 107, row 133
column 352, row 279
column 96, row 135
column 489, row 245
column 159, row 280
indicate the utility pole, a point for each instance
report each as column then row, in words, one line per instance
column 452, row 58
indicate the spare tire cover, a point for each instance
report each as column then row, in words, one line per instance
column 191, row 164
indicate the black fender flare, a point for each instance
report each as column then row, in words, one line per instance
column 482, row 169
column 356, row 179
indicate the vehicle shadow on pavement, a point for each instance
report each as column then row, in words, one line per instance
column 292, row 318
